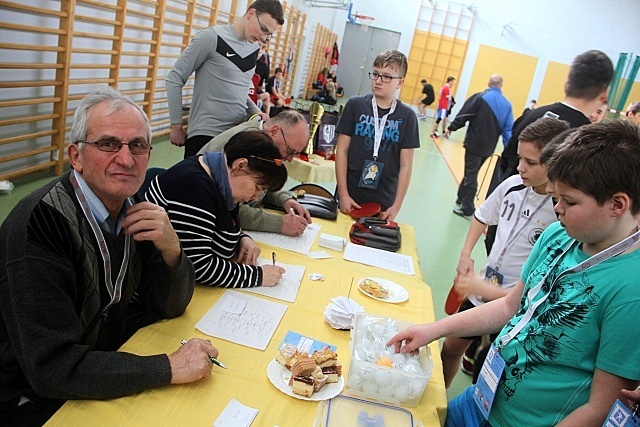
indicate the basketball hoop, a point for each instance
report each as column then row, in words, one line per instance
column 365, row 21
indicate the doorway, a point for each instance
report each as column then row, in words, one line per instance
column 359, row 49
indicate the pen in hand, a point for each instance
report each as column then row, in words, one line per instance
column 273, row 258
column 213, row 359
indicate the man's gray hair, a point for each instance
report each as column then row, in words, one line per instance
column 288, row 118
column 114, row 99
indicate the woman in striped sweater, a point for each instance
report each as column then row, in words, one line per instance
column 201, row 195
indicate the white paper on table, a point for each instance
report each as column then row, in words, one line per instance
column 235, row 414
column 253, row 328
column 336, row 243
column 379, row 258
column 288, row 286
column 319, row 255
column 341, row 311
column 234, row 305
column 301, row 244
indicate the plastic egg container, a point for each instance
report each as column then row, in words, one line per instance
column 377, row 371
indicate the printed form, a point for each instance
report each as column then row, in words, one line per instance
column 301, row 244
column 242, row 319
column 288, row 286
column 379, row 258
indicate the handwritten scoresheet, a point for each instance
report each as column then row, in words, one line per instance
column 301, row 244
column 242, row 319
column 379, row 258
column 288, row 286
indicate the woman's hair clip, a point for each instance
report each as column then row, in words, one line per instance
column 278, row 162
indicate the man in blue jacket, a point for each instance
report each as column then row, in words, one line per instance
column 489, row 115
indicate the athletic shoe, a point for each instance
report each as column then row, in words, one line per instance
column 467, row 365
column 434, row 135
column 422, row 117
column 461, row 213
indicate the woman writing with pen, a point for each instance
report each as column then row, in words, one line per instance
column 202, row 194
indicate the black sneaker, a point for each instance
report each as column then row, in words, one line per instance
column 467, row 365
column 461, row 213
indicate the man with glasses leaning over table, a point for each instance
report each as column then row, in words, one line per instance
column 290, row 132
column 72, row 254
column 224, row 59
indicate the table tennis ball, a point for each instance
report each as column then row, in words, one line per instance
column 386, row 390
column 399, row 360
column 412, row 367
column 355, row 381
column 366, row 372
column 390, row 334
column 377, row 329
column 382, row 377
column 359, row 352
column 369, row 386
column 398, row 379
column 401, row 393
column 415, row 388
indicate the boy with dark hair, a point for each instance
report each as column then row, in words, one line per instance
column 569, row 320
column 429, row 97
column 224, row 59
column 273, row 88
column 585, row 92
column 521, row 209
column 377, row 135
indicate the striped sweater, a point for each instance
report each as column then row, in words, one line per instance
column 208, row 231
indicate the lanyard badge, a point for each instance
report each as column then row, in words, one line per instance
column 621, row 416
column 484, row 391
column 372, row 169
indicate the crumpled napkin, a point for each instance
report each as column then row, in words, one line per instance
column 340, row 313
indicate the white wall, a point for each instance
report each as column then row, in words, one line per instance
column 551, row 30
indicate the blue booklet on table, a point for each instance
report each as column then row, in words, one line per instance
column 303, row 343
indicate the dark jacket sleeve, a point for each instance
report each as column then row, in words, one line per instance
column 467, row 112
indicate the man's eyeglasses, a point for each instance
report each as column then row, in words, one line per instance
column 290, row 151
column 264, row 30
column 113, row 145
column 383, row 77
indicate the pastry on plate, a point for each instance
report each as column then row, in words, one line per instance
column 325, row 357
column 286, row 356
column 373, row 288
column 302, row 385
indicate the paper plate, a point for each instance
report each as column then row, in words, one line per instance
column 453, row 301
column 279, row 377
column 366, row 209
column 396, row 292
